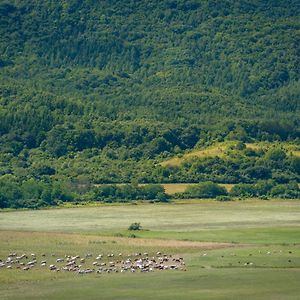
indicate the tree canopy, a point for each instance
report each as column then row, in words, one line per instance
column 108, row 89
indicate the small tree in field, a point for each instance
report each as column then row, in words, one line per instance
column 135, row 226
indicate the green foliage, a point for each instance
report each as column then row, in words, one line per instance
column 31, row 193
column 295, row 164
column 240, row 146
column 236, row 167
column 244, row 190
column 265, row 189
column 205, row 190
column 275, row 155
column 290, row 190
column 126, row 192
column 107, row 91
column 135, row 226
column 224, row 198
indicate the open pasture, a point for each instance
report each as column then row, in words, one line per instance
column 235, row 250
column 196, row 216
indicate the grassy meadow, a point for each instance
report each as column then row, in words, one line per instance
column 223, row 149
column 248, row 249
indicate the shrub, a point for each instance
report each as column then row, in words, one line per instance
column 243, row 190
column 275, row 154
column 135, row 227
column 130, row 192
column 162, row 197
column 263, row 187
column 223, row 198
column 290, row 190
column 258, row 172
column 240, row 146
column 205, row 190
column 295, row 164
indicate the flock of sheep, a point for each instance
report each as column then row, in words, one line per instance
column 95, row 264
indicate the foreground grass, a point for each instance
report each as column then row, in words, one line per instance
column 195, row 284
column 213, row 271
column 247, row 249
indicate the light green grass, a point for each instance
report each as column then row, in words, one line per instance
column 196, row 284
column 215, row 150
column 270, row 235
column 220, row 150
column 211, row 274
column 195, row 216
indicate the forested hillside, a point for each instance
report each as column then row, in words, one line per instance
column 101, row 91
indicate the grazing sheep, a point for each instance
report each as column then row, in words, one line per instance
column 30, row 263
column 140, row 263
column 9, row 260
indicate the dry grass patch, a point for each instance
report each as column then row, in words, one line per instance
column 216, row 150
column 23, row 239
column 220, row 149
column 173, row 188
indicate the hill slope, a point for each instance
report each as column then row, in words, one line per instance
column 96, row 90
column 173, row 61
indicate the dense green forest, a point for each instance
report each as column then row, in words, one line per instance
column 103, row 91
